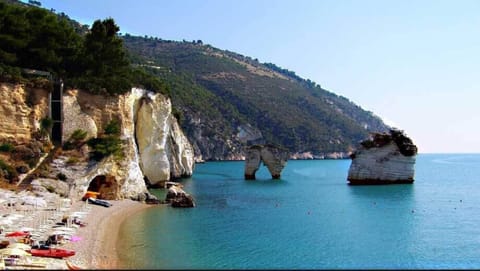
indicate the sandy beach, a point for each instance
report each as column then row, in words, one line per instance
column 94, row 245
column 97, row 249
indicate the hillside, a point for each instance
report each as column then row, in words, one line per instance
column 220, row 93
column 222, row 99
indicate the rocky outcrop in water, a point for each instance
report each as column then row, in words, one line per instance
column 385, row 158
column 177, row 197
column 273, row 157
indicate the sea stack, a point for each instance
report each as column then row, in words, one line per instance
column 275, row 158
column 384, row 158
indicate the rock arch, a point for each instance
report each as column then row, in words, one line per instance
column 275, row 158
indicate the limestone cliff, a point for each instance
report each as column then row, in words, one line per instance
column 181, row 152
column 383, row 159
column 273, row 157
column 21, row 109
column 155, row 148
column 165, row 152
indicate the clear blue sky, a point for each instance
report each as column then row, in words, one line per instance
column 416, row 64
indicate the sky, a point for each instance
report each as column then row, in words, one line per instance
column 415, row 64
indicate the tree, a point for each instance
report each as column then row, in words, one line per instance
column 13, row 33
column 104, row 49
column 31, row 37
column 105, row 62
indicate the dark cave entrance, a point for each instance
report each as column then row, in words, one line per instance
column 106, row 185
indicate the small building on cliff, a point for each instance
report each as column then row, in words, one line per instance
column 384, row 158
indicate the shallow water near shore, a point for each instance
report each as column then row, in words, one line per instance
column 311, row 219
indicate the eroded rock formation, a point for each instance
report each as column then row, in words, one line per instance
column 165, row 152
column 273, row 157
column 177, row 197
column 154, row 147
column 21, row 110
column 385, row 158
column 145, row 120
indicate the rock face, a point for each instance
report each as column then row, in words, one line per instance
column 21, row 110
column 77, row 119
column 273, row 157
column 179, row 198
column 165, row 152
column 383, row 159
column 155, row 148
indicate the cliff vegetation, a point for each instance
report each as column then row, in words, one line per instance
column 219, row 92
column 95, row 59
column 216, row 94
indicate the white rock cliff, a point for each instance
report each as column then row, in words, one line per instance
column 165, row 152
column 274, row 159
column 384, row 159
column 154, row 145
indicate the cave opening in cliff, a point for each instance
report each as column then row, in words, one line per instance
column 106, row 185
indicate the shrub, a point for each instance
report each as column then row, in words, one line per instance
column 68, row 146
column 76, row 139
column 112, row 128
column 6, row 147
column 72, row 160
column 105, row 146
column 78, row 135
column 8, row 171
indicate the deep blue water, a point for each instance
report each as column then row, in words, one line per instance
column 311, row 219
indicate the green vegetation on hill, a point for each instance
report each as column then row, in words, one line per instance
column 215, row 93
column 226, row 90
column 95, row 60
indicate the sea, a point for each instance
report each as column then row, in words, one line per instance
column 312, row 219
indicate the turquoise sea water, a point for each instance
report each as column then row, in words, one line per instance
column 311, row 219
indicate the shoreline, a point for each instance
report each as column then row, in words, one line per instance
column 97, row 249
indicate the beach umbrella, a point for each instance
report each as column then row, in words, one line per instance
column 17, row 234
column 13, row 252
column 19, row 245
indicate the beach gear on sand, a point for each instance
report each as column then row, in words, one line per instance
column 13, row 252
